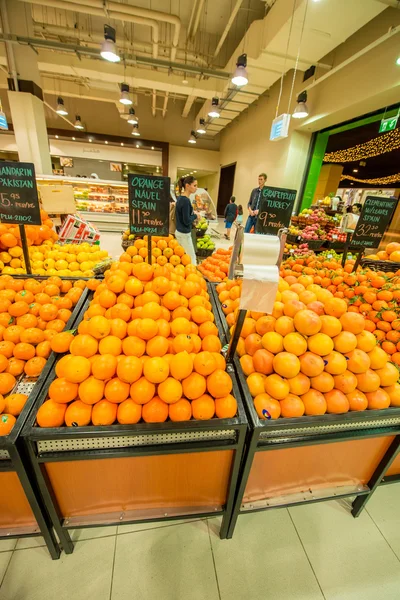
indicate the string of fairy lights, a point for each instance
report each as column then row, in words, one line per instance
column 380, row 145
column 375, row 181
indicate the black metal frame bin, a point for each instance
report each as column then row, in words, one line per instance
column 312, row 459
column 20, row 493
column 66, row 459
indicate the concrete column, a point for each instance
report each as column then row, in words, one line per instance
column 26, row 103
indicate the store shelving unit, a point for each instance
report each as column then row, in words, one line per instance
column 312, row 459
column 22, row 511
column 104, row 203
column 123, row 474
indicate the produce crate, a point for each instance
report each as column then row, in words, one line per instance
column 380, row 265
column 291, row 461
column 22, row 511
column 312, row 244
column 126, row 244
column 180, row 469
column 203, row 252
column 292, row 239
column 336, row 245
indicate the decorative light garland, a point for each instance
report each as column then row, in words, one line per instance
column 376, row 181
column 380, row 145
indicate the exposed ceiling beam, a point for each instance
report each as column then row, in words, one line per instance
column 188, row 106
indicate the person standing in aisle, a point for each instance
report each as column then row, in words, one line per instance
column 185, row 216
column 230, row 216
column 254, row 203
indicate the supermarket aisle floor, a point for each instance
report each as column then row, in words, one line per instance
column 304, row 553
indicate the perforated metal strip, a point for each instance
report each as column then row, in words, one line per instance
column 4, row 455
column 127, row 441
column 277, row 434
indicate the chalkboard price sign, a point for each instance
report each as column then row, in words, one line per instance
column 19, row 202
column 375, row 217
column 275, row 211
column 148, row 204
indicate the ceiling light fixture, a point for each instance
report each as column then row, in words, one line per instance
column 78, row 123
column 137, row 146
column 106, row 142
column 61, row 110
column 124, row 98
column 122, row 143
column 201, row 128
column 90, row 140
column 214, row 112
column 132, row 119
column 398, row 61
column 108, row 48
column 56, row 137
column 73, row 139
column 355, row 170
column 135, row 130
column 301, row 110
column 192, row 139
column 240, row 77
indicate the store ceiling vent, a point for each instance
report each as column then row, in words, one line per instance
column 309, row 73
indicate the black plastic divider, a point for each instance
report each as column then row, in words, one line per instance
column 79, row 443
column 17, row 460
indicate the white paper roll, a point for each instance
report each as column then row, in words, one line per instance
column 260, row 284
column 260, row 249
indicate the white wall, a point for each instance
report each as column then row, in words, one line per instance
column 211, row 182
column 192, row 159
column 246, row 143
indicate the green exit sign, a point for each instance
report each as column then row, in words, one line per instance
column 388, row 124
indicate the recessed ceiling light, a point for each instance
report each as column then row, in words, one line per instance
column 106, row 142
column 122, row 143
column 152, row 147
column 355, row 170
column 56, row 137
column 74, row 138
column 137, row 146
column 90, row 140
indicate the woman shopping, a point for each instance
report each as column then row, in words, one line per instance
column 230, row 216
column 185, row 216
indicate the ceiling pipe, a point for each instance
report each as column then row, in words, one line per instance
column 229, row 24
column 164, row 110
column 153, row 103
column 99, row 12
column 197, row 21
column 121, row 12
column 88, row 37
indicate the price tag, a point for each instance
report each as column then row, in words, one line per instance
column 291, row 251
column 334, row 236
column 148, row 204
column 330, row 256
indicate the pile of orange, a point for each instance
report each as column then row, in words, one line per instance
column 391, row 252
column 164, row 250
column 216, row 266
column 147, row 349
column 32, row 313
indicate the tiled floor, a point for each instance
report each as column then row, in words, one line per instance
column 304, row 553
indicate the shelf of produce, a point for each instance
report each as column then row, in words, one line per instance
column 107, row 222
column 22, row 512
column 180, row 469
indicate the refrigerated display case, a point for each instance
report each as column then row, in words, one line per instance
column 104, row 203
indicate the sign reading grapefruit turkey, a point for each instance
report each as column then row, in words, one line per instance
column 19, row 201
column 148, row 204
column 375, row 217
column 275, row 210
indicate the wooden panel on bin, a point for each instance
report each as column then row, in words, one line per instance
column 15, row 510
column 293, row 470
column 394, row 468
column 87, row 487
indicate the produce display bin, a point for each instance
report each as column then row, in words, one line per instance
column 312, row 459
column 22, row 511
column 119, row 474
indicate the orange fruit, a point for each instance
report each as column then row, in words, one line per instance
column 91, row 390
column 295, row 343
column 307, row 322
column 63, row 391
column 388, row 375
column 314, row 403
column 129, row 369
column 83, row 345
column 299, row 385
column 226, row 407
column 99, row 327
column 378, row 399
column 7, row 349
column 129, row 412
column 207, row 328
column 111, row 344
column 292, row 406
column 335, row 363
column 170, row 390
column 116, row 391
column 142, row 391
column 13, row 334
column 15, row 366
column 24, row 351
column 204, row 363
column 276, row 386
column 147, row 329
column 156, row 370
column 378, row 358
column 347, row 382
column 14, row 403
column 51, row 414
column 261, row 362
column 368, row 381
column 345, row 342
column 78, row 414
column 337, row 402
column 330, row 325
column 181, row 365
column 104, row 366
column 311, row 364
column 61, row 342
column 194, row 386
column 394, row 394
column 358, row 361
column 323, row 382
column 3, row 363
column 157, row 346
column 133, row 346
column 353, row 322
column 357, row 400
column 77, row 369
column 155, row 411
column 273, row 342
column 104, row 413
column 182, row 343
column 180, row 411
column 21, row 308
column 286, row 364
column 203, row 407
column 335, row 307
column 255, row 383
column 7, row 382
column 267, row 407
column 219, row 384
column 320, row 344
column 366, row 341
column 7, row 422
